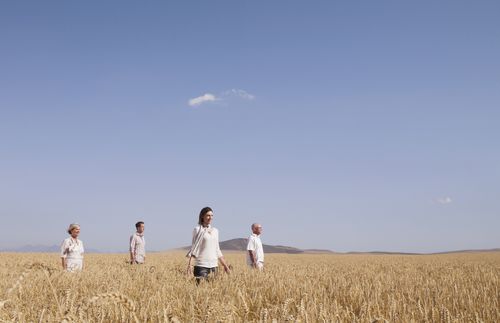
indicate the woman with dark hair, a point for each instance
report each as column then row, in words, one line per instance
column 205, row 247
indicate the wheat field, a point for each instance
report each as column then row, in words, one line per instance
column 295, row 288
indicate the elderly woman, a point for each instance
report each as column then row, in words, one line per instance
column 72, row 250
column 205, row 249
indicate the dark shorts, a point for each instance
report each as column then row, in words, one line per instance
column 203, row 272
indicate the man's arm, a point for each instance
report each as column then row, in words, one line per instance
column 251, row 251
column 253, row 258
column 132, row 249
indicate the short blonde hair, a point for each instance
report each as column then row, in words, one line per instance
column 72, row 226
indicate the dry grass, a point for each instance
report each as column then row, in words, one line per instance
column 299, row 288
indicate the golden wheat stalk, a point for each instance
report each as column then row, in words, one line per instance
column 115, row 298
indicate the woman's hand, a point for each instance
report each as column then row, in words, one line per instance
column 189, row 269
column 227, row 268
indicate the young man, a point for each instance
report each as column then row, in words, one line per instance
column 138, row 245
column 255, row 251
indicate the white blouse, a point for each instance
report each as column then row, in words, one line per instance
column 72, row 249
column 209, row 249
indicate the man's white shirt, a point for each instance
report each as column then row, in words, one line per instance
column 138, row 247
column 254, row 244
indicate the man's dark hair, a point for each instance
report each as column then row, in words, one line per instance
column 138, row 224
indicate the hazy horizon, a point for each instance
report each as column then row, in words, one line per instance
column 55, row 249
column 342, row 126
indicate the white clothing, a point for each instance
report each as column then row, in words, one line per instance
column 138, row 247
column 205, row 248
column 198, row 234
column 255, row 244
column 72, row 250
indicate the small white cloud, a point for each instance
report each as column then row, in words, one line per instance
column 240, row 93
column 444, row 200
column 207, row 97
column 224, row 96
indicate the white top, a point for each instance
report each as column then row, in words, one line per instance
column 209, row 249
column 72, row 248
column 255, row 244
column 138, row 247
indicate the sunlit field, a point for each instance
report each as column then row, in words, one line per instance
column 298, row 288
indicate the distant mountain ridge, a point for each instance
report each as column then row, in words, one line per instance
column 42, row 248
column 34, row 248
column 240, row 244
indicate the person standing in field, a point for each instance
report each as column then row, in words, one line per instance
column 255, row 251
column 72, row 250
column 138, row 245
column 205, row 249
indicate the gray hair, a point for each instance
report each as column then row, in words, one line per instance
column 72, row 226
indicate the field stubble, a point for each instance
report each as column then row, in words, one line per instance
column 299, row 288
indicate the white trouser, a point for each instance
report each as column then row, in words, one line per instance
column 139, row 259
column 73, row 264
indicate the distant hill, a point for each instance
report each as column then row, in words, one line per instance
column 240, row 244
column 42, row 248
column 318, row 251
column 34, row 248
column 468, row 251
column 382, row 253
column 416, row 253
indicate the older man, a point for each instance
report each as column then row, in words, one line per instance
column 255, row 251
column 138, row 245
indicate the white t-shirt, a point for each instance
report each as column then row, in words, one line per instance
column 254, row 244
column 209, row 253
column 138, row 247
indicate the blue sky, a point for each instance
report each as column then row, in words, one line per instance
column 339, row 125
